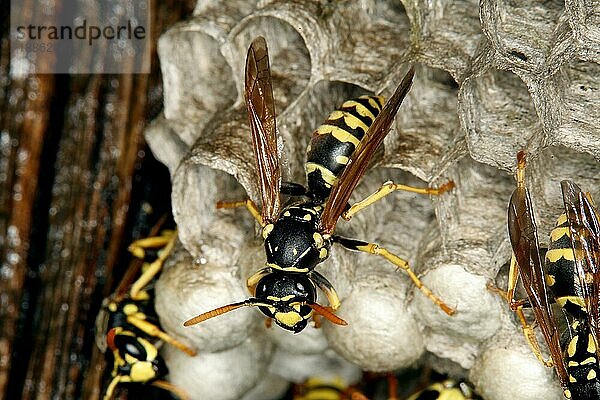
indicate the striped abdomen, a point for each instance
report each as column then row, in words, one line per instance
column 333, row 143
column 560, row 267
column 582, row 363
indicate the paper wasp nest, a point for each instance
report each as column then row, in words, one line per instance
column 491, row 78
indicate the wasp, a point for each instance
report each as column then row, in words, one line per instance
column 447, row 389
column 129, row 324
column 326, row 389
column 571, row 275
column 300, row 235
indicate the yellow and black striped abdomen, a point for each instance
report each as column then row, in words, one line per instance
column 561, row 271
column 334, row 142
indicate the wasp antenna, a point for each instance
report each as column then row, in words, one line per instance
column 222, row 310
column 327, row 313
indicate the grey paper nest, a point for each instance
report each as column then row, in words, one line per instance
column 492, row 78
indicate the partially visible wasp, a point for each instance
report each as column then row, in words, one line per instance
column 129, row 324
column 446, row 390
column 571, row 263
column 299, row 236
column 326, row 389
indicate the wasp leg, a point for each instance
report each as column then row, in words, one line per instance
column 392, row 386
column 317, row 321
column 153, row 269
column 327, row 288
column 171, row 388
column 138, row 248
column 252, row 281
column 268, row 322
column 249, row 204
column 373, row 248
column 389, row 187
column 153, row 330
column 517, row 307
column 110, row 390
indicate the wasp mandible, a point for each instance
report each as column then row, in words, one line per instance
column 299, row 236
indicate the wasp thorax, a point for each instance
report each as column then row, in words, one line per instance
column 287, row 296
column 293, row 243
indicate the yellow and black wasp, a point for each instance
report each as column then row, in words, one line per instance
column 447, row 389
column 326, row 389
column 299, row 236
column 571, row 263
column 129, row 325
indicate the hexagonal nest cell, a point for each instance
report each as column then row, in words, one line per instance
column 512, row 76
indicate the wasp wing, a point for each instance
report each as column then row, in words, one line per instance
column 258, row 94
column 359, row 161
column 524, row 240
column 585, row 241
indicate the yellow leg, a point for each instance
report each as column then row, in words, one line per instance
column 155, row 331
column 153, row 269
column 180, row 394
column 517, row 307
column 373, row 248
column 389, row 187
column 110, row 390
column 252, row 281
column 138, row 247
column 249, row 204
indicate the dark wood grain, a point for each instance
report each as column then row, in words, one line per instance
column 72, row 157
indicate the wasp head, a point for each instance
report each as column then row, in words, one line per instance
column 135, row 356
column 286, row 298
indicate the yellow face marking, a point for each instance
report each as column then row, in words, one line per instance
column 573, row 363
column 318, row 239
column 591, row 344
column 341, row 160
column 567, row 393
column 130, row 309
column 572, row 346
column 591, row 375
column 297, row 307
column 267, row 230
column 284, row 298
column 556, row 254
column 338, row 133
column 326, row 174
column 550, row 280
column 572, row 379
column 589, row 360
column 142, row 372
column 307, row 217
column 559, row 232
column 323, row 253
column 289, row 318
column 112, row 307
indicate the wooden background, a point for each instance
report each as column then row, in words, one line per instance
column 75, row 181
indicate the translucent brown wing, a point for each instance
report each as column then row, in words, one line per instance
column 359, row 161
column 524, row 240
column 261, row 115
column 585, row 240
